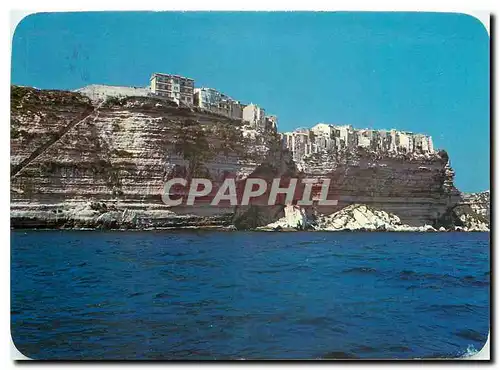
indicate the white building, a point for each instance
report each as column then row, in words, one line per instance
column 325, row 138
column 383, row 140
column 298, row 142
column 365, row 138
column 405, row 142
column 217, row 102
column 430, row 144
column 235, row 109
column 423, row 143
column 348, row 137
column 102, row 92
column 255, row 115
column 173, row 87
column 322, row 129
column 394, row 143
column 208, row 98
column 301, row 144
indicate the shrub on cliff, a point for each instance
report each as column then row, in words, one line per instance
column 25, row 99
column 112, row 100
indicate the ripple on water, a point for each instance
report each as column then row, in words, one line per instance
column 360, row 270
column 154, row 295
column 471, row 334
column 451, row 308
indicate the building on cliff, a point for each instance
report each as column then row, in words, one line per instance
column 119, row 156
column 271, row 123
column 173, row 87
column 423, row 143
column 102, row 92
column 235, row 109
column 217, row 102
column 298, row 142
column 324, row 137
column 255, row 115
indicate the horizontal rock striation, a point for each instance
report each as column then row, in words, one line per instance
column 417, row 188
column 119, row 152
column 70, row 152
column 395, row 171
column 472, row 212
column 38, row 118
column 479, row 202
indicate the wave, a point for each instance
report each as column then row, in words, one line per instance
column 135, row 294
column 468, row 280
column 470, row 351
column 472, row 335
column 471, row 280
column 360, row 270
column 407, row 273
column 452, row 308
column 412, row 275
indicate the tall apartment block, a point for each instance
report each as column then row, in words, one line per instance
column 173, row 87
column 255, row 115
column 217, row 102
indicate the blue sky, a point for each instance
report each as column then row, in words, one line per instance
column 422, row 72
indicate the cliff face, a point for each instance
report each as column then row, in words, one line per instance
column 394, row 171
column 77, row 162
column 73, row 162
column 472, row 212
column 479, row 202
column 417, row 188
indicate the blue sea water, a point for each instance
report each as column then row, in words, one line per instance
column 233, row 295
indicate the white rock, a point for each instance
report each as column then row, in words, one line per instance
column 356, row 217
column 295, row 217
column 359, row 216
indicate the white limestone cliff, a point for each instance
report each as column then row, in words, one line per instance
column 362, row 217
column 356, row 217
column 66, row 149
column 295, row 218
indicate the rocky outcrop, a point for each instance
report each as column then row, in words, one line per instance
column 462, row 217
column 295, row 219
column 417, row 188
column 359, row 217
column 356, row 217
column 479, row 202
column 70, row 150
column 395, row 171
column 472, row 213
column 466, row 219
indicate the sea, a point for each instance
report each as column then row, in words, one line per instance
column 214, row 295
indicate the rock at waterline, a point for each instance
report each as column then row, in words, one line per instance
column 356, row 217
